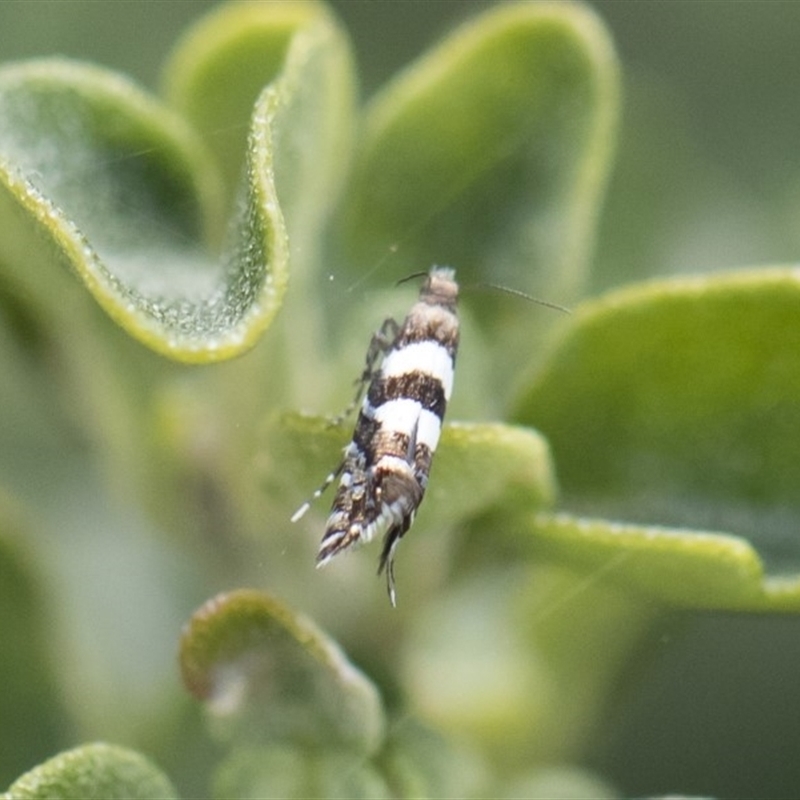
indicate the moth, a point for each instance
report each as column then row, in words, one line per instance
column 384, row 471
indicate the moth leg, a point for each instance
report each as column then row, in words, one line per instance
column 318, row 493
column 390, row 542
column 381, row 342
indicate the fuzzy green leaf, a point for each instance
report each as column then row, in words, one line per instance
column 490, row 152
column 132, row 200
column 219, row 69
column 121, row 189
column 93, row 772
column 692, row 568
column 267, row 673
column 675, row 404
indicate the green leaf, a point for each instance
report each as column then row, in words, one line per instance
column 33, row 712
column 289, row 773
column 219, row 69
column 692, row 568
column 132, row 200
column 267, row 673
column 490, row 153
column 674, row 404
column 121, row 189
column 292, row 62
column 93, row 772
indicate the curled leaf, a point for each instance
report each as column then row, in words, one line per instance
column 93, row 772
column 269, row 673
column 121, row 188
column 219, row 69
column 132, row 199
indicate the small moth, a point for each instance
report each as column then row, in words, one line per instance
column 384, row 472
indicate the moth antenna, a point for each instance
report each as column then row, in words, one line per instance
column 524, row 296
column 411, row 277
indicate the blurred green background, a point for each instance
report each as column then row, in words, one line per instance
column 706, row 178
